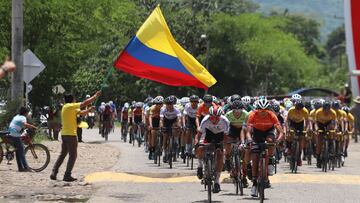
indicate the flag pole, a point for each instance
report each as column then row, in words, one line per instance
column 104, row 83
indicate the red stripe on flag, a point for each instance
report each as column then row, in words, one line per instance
column 355, row 17
column 131, row 65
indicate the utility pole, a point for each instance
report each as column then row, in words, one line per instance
column 17, row 27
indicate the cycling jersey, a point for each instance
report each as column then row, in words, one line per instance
column 350, row 118
column 237, row 122
column 312, row 114
column 170, row 115
column 340, row 114
column 325, row 117
column 209, row 130
column 203, row 110
column 297, row 115
column 262, row 120
column 154, row 111
column 125, row 113
column 189, row 111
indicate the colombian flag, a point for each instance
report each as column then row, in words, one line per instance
column 154, row 54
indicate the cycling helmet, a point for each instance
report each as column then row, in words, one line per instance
column 308, row 105
column 170, row 100
column 246, row 100
column 225, row 99
column 263, row 104
column 237, row 105
column 126, row 105
column 346, row 109
column 317, row 104
column 262, row 97
column 158, row 100
column 326, row 105
column 102, row 103
column 299, row 104
column 138, row 105
column 87, row 96
column 194, row 98
column 184, row 101
column 148, row 99
column 208, row 98
column 256, row 104
column 296, row 97
column 336, row 105
column 235, row 97
column 215, row 111
column 276, row 108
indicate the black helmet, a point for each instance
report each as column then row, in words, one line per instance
column 336, row 105
column 194, row 98
column 208, row 98
column 237, row 104
column 170, row 100
column 346, row 109
column 235, row 97
column 326, row 105
column 276, row 108
column 299, row 104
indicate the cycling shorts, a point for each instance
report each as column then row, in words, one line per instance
column 190, row 123
column 260, row 136
column 168, row 123
column 297, row 126
column 234, row 132
column 138, row 119
column 155, row 122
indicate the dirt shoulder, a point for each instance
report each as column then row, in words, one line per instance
column 37, row 187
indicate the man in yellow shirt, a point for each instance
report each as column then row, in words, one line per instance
column 297, row 119
column 69, row 144
column 325, row 119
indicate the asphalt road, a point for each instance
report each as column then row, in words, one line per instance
column 136, row 179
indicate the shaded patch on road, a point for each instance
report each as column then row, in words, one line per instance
column 161, row 175
column 128, row 197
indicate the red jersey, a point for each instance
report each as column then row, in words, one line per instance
column 262, row 120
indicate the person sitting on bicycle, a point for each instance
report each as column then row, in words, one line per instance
column 325, row 119
column 124, row 117
column 262, row 123
column 189, row 119
column 170, row 117
column 137, row 116
column 350, row 121
column 237, row 118
column 203, row 109
column 107, row 117
column 297, row 119
column 213, row 129
column 154, row 122
column 17, row 124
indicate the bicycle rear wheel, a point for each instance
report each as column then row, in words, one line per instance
column 37, row 157
column 170, row 155
column 1, row 153
column 261, row 183
column 208, row 179
column 325, row 158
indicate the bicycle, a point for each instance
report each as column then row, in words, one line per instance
column 158, row 147
column 209, row 169
column 236, row 167
column 327, row 160
column 263, row 173
column 139, row 135
column 172, row 147
column 309, row 147
column 339, row 140
column 295, row 148
column 37, row 155
column 190, row 156
column 106, row 128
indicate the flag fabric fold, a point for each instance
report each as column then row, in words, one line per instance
column 154, row 54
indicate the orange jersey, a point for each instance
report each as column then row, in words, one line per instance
column 203, row 110
column 262, row 120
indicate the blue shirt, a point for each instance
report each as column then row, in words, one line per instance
column 16, row 125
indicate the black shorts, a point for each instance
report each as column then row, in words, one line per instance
column 168, row 123
column 297, row 126
column 260, row 136
column 155, row 122
column 323, row 126
column 234, row 132
column 138, row 119
column 190, row 123
column 216, row 138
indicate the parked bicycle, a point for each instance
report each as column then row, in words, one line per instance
column 37, row 155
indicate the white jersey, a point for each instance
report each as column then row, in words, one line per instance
column 189, row 111
column 222, row 126
column 165, row 113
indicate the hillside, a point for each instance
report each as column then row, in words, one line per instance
column 329, row 13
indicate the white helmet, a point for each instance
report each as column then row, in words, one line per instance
column 296, row 97
column 158, row 100
column 184, row 100
column 102, row 103
column 246, row 100
column 87, row 96
column 263, row 103
column 126, row 105
column 111, row 102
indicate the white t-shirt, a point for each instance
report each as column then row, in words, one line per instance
column 16, row 125
column 222, row 126
column 189, row 111
column 165, row 113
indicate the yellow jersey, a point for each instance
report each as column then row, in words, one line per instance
column 340, row 114
column 296, row 115
column 350, row 118
column 324, row 117
column 312, row 114
column 69, row 122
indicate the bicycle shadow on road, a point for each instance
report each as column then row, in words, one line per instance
column 205, row 201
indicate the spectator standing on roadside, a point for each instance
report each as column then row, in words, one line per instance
column 355, row 111
column 7, row 67
column 69, row 145
column 57, row 121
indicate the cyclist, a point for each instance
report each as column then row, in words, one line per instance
column 325, row 118
column 170, row 117
column 148, row 104
column 17, row 124
column 137, row 117
column 297, row 119
column 213, row 128
column 233, row 98
column 247, row 102
column 107, row 119
column 189, row 121
column 124, row 118
column 262, row 123
column 130, row 115
column 154, row 122
column 237, row 118
column 203, row 109
column 350, row 122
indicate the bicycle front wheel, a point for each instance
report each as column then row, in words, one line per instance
column 37, row 157
column 1, row 154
